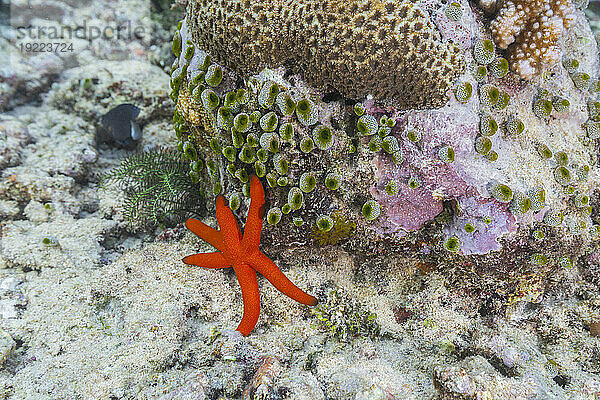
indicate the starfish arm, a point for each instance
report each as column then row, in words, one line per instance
column 269, row 270
column 256, row 212
column 207, row 260
column 229, row 228
column 246, row 277
column 207, row 233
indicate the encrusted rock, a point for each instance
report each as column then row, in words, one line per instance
column 8, row 209
column 475, row 163
column 91, row 90
column 23, row 184
column 23, row 76
column 71, row 156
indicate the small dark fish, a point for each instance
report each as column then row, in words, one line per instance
column 119, row 126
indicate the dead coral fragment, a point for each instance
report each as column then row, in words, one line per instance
column 390, row 49
column 531, row 30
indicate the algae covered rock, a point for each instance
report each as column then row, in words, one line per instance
column 487, row 160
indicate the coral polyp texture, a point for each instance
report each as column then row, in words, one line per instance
column 531, row 31
column 389, row 49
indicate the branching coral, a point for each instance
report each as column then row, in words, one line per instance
column 390, row 49
column 531, row 30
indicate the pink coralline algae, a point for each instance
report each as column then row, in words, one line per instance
column 413, row 206
column 461, row 31
column 489, row 219
column 463, row 181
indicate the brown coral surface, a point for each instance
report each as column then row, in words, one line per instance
column 390, row 49
column 531, row 30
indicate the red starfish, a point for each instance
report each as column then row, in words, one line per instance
column 242, row 253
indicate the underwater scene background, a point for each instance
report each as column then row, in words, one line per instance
column 241, row 199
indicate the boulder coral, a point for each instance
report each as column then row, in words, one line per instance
column 390, row 49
